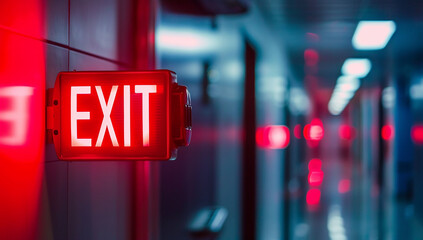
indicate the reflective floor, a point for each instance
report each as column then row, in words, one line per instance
column 351, row 205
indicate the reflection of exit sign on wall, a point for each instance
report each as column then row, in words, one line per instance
column 119, row 115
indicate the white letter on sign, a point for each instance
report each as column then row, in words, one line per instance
column 145, row 90
column 75, row 116
column 18, row 114
column 127, row 115
column 107, row 122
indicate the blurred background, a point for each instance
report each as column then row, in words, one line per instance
column 307, row 120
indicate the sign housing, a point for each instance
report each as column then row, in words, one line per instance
column 119, row 115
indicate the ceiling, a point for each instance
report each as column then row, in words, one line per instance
column 327, row 26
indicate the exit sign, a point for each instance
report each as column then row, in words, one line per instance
column 119, row 115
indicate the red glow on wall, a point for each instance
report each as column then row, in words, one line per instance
column 311, row 57
column 181, row 41
column 297, row 131
column 315, row 179
column 313, row 196
column 346, row 132
column 387, row 132
column 314, row 131
column 273, row 137
column 417, row 134
column 344, row 186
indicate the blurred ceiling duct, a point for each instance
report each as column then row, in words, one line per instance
column 207, row 7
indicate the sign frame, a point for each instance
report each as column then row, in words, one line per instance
column 177, row 112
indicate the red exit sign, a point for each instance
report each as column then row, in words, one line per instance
column 119, row 115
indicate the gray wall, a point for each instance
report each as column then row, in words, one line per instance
column 88, row 200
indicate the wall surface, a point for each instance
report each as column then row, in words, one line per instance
column 55, row 199
column 209, row 57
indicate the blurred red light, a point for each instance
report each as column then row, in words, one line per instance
column 315, row 178
column 417, row 134
column 315, row 164
column 387, row 132
column 346, row 132
column 313, row 196
column 273, row 137
column 188, row 40
column 314, row 131
column 297, row 131
column 306, row 132
column 311, row 57
column 344, row 186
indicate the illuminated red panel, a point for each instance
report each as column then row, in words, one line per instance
column 314, row 131
column 417, row 134
column 297, row 131
column 387, row 132
column 120, row 115
column 311, row 57
column 313, row 196
column 344, row 186
column 273, row 137
column 346, row 132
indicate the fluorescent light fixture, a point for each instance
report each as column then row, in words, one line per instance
column 347, row 79
column 343, row 92
column 356, row 67
column 373, row 35
column 343, row 95
column 347, row 84
column 337, row 104
column 185, row 41
column 335, row 110
column 346, row 88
